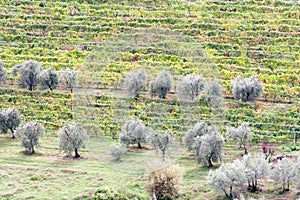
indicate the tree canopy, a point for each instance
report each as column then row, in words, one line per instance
column 29, row 134
column 28, row 72
column 72, row 137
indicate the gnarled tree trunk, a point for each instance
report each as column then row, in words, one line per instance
column 76, row 153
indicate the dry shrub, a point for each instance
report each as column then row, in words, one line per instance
column 164, row 181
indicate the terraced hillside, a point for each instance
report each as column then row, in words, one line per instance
column 238, row 38
column 102, row 40
column 51, row 109
column 242, row 38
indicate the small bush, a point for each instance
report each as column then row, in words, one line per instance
column 117, row 152
column 108, row 194
column 164, row 182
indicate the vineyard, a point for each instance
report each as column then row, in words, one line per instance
column 103, row 40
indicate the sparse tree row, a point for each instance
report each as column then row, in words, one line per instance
column 190, row 87
column 31, row 75
column 72, row 137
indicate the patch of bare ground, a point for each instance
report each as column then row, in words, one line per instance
column 73, row 171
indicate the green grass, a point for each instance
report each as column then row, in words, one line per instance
column 48, row 174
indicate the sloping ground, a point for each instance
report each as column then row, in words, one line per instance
column 242, row 38
column 107, row 113
column 53, row 110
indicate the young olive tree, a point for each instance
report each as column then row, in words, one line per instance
column 214, row 96
column 242, row 134
column 209, row 147
column 71, row 138
column 29, row 134
column 161, row 142
column 48, row 79
column 3, row 75
column 198, row 130
column 227, row 177
column 285, row 173
column 135, row 133
column 10, row 119
column 161, row 85
column 68, row 78
column 190, row 87
column 256, row 167
column 135, row 81
column 117, row 152
column 247, row 89
column 28, row 72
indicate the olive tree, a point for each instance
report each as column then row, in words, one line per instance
column 72, row 137
column 247, row 89
column 227, row 177
column 48, row 79
column 135, row 132
column 68, row 78
column 161, row 142
column 214, row 96
column 285, row 173
column 161, row 85
column 198, row 130
column 208, row 147
column 190, row 87
column 10, row 119
column 117, row 152
column 28, row 74
column 256, row 167
column 3, row 75
column 135, row 81
column 242, row 134
column 29, row 134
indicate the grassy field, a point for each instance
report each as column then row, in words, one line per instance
column 50, row 175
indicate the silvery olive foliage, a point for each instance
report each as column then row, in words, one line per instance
column 161, row 142
column 68, row 78
column 214, row 96
column 135, row 81
column 28, row 74
column 246, row 89
column 256, row 167
column 48, row 79
column 242, row 134
column 226, row 178
column 161, row 85
column 72, row 137
column 29, row 134
column 198, row 130
column 117, row 151
column 135, row 132
column 10, row 119
column 208, row 147
column 285, row 173
column 3, row 74
column 190, row 87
